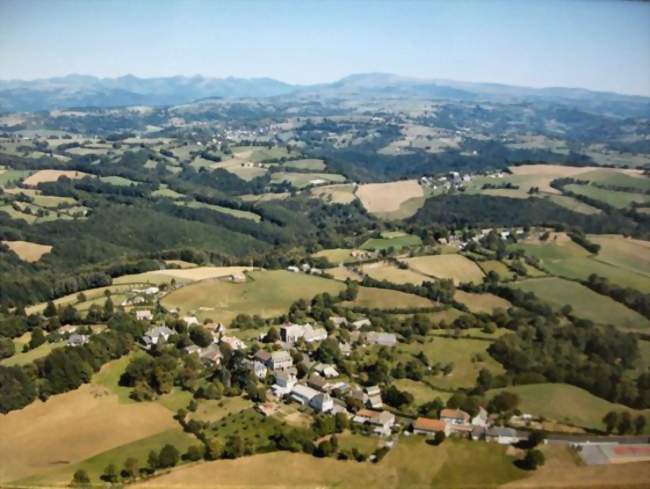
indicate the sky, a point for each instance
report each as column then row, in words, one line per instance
column 600, row 45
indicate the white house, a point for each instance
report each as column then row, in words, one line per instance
column 382, row 421
column 326, row 370
column 190, row 320
column 303, row 394
column 285, row 382
column 380, row 338
column 77, row 339
column 155, row 335
column 259, row 369
column 233, row 342
column 143, row 315
column 502, row 435
column 280, row 360
column 428, row 426
column 322, row 403
column 481, row 418
column 360, row 323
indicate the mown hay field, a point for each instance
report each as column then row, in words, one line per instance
column 388, row 197
column 72, row 427
column 456, row 267
column 267, row 293
column 585, row 302
column 52, row 176
column 392, row 273
column 28, row 251
column 341, row 193
column 478, row 303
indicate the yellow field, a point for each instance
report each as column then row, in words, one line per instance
column 478, row 303
column 202, row 273
column 455, row 267
column 342, row 193
column 388, row 271
column 52, row 176
column 342, row 273
column 388, row 197
column 71, row 427
column 27, row 251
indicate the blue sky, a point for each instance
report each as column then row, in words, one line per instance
column 593, row 44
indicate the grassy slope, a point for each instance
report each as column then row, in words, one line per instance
column 268, row 294
column 564, row 403
column 585, row 302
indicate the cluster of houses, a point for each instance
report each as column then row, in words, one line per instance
column 305, row 268
column 320, row 390
column 458, row 422
column 452, row 181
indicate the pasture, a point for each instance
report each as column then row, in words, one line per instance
column 69, row 428
column 564, row 403
column 460, row 352
column 337, row 255
column 495, row 266
column 118, row 181
column 411, row 464
column 27, row 251
column 267, row 293
column 614, row 198
column 24, row 358
column 387, row 198
column 388, row 271
column 373, row 298
column 52, row 176
column 306, row 164
column 478, row 303
column 301, row 180
column 239, row 214
column 585, row 302
column 456, row 267
column 396, row 241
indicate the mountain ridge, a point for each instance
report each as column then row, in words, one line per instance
column 76, row 90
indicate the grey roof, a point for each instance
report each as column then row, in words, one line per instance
column 502, row 431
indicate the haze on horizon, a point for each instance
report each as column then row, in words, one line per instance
column 599, row 45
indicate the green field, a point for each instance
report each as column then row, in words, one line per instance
column 224, row 210
column 617, row 179
column 617, row 199
column 118, row 181
column 307, row 164
column 164, row 191
column 373, row 298
column 565, row 403
column 585, row 302
column 478, row 303
column 622, row 263
column 95, row 465
column 421, row 392
column 460, row 353
column 398, row 241
column 268, row 293
column 214, row 410
column 495, row 266
column 301, row 180
column 8, row 176
column 337, row 255
column 20, row 358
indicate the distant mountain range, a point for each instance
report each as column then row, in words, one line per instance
column 89, row 91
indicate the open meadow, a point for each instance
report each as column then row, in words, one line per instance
column 72, row 427
column 27, row 251
column 388, row 199
column 585, row 302
column 456, row 267
column 267, row 293
column 373, row 298
column 565, row 403
column 52, row 176
column 392, row 273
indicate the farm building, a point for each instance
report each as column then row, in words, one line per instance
column 428, row 426
column 502, row 435
column 382, row 421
